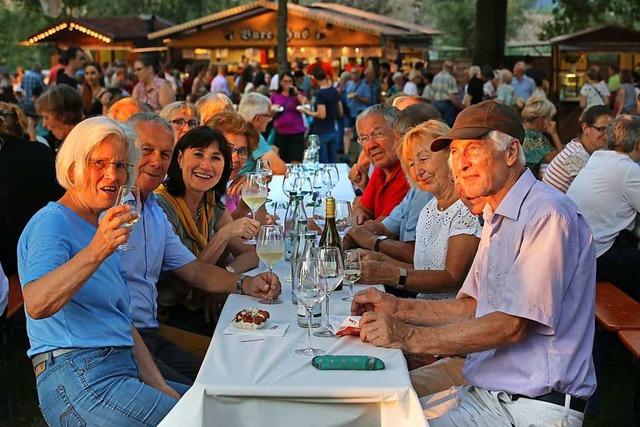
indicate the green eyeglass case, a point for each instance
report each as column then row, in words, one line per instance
column 345, row 362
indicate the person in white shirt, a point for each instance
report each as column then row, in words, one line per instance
column 607, row 192
column 411, row 86
column 569, row 162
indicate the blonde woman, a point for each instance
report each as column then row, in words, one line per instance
column 537, row 117
column 505, row 93
column 213, row 103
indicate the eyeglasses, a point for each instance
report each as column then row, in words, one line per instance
column 138, row 69
column 181, row 122
column 242, row 152
column 376, row 136
column 268, row 116
column 601, row 129
column 102, row 164
column 287, row 81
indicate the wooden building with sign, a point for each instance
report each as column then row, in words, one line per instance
column 330, row 31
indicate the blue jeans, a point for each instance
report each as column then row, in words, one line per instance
column 448, row 110
column 99, row 387
column 329, row 148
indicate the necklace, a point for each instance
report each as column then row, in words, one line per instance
column 196, row 217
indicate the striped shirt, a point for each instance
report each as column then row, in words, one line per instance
column 566, row 165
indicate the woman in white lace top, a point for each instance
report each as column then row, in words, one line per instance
column 447, row 234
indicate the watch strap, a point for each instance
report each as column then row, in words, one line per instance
column 376, row 245
column 239, row 284
column 403, row 278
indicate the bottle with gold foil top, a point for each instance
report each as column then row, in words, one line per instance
column 330, row 237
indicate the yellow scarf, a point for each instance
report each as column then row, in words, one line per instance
column 200, row 233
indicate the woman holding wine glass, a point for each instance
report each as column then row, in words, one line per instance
column 192, row 199
column 76, row 299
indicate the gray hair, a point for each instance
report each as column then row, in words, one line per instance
column 150, row 117
column 382, row 110
column 623, row 133
column 84, row 138
column 501, row 142
column 212, row 104
column 179, row 106
column 252, row 104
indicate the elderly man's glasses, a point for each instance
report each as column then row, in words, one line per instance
column 376, row 136
column 181, row 122
column 601, row 129
column 242, row 152
column 102, row 164
column 268, row 116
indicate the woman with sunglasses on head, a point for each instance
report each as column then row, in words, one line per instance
column 183, row 116
column 192, row 198
column 288, row 123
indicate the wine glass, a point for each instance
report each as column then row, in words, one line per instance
column 344, row 217
column 263, row 166
column 129, row 195
column 303, row 186
column 322, row 182
column 331, row 171
column 270, row 249
column 310, row 289
column 332, row 269
column 352, row 270
column 254, row 194
column 289, row 181
column 319, row 212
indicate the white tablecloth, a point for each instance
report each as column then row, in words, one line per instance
column 264, row 383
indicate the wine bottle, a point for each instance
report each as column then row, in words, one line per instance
column 330, row 237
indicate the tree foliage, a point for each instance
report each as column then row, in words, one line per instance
column 574, row 15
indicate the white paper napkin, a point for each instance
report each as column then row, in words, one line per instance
column 341, row 322
column 269, row 330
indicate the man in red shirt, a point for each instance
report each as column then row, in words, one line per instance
column 324, row 65
column 387, row 185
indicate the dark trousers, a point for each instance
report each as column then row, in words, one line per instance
column 448, row 110
column 175, row 364
column 290, row 147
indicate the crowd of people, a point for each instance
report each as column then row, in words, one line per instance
column 489, row 267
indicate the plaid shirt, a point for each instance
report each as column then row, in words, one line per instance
column 443, row 85
column 30, row 81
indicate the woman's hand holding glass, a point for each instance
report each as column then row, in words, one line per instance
column 254, row 194
column 129, row 196
column 332, row 271
column 270, row 249
column 244, row 228
column 112, row 232
column 310, row 289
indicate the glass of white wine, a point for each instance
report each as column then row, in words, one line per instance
column 333, row 272
column 270, row 249
column 129, row 195
column 254, row 194
column 352, row 270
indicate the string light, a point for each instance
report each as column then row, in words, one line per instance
column 71, row 27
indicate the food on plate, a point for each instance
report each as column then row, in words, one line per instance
column 250, row 318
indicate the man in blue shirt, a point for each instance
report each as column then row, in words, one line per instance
column 523, row 85
column 157, row 249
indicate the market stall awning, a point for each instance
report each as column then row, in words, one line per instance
column 329, row 15
column 605, row 38
column 102, row 32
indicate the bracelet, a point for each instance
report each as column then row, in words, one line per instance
column 376, row 245
column 402, row 279
column 239, row 284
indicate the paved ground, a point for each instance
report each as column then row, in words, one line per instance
column 616, row 407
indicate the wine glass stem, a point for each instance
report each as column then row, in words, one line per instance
column 309, row 315
column 351, row 290
column 327, row 325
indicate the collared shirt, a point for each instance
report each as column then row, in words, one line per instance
column 607, row 190
column 151, row 95
column 524, row 88
column 443, row 85
column 156, row 249
column 403, row 218
column 30, row 81
column 566, row 165
column 220, row 84
column 250, row 164
column 381, row 194
column 536, row 260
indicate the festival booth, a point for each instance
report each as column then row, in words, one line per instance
column 104, row 38
column 573, row 54
column 330, row 31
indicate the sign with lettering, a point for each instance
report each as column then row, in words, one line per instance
column 249, row 34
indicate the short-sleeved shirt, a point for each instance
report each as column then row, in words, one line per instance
column 536, row 260
column 151, row 95
column 566, row 165
column 98, row 313
column 156, row 249
column 220, row 84
column 361, row 89
column 30, row 81
column 443, row 85
column 524, row 88
column 434, row 229
column 381, row 195
column 403, row 218
column 329, row 97
column 536, row 146
column 250, row 164
column 607, row 191
column 594, row 94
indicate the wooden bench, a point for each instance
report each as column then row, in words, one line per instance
column 631, row 340
column 615, row 310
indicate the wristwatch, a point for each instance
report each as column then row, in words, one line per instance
column 403, row 279
column 376, row 245
column 239, row 284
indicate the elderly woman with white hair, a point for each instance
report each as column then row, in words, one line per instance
column 537, row 118
column 72, row 278
column 183, row 116
column 212, row 104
